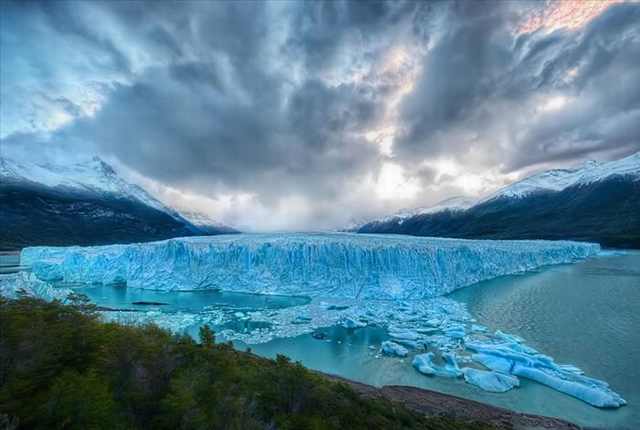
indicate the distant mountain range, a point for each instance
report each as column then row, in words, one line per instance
column 84, row 203
column 597, row 202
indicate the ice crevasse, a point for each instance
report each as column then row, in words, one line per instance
column 325, row 264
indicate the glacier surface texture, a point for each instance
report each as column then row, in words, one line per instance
column 330, row 265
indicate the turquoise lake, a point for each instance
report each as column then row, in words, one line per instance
column 587, row 314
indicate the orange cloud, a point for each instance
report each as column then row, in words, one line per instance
column 569, row 14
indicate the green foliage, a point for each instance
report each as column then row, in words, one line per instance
column 62, row 368
column 207, row 337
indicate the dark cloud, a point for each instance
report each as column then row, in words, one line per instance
column 476, row 77
column 276, row 99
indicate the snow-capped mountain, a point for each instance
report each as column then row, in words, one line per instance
column 91, row 175
column 83, row 202
column 560, row 179
column 595, row 201
column 458, row 203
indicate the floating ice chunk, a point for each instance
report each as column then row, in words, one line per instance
column 411, row 344
column 434, row 322
column 516, row 359
column 352, row 323
column 571, row 368
column 494, row 362
column 489, row 380
column 301, row 319
column 318, row 265
column 478, row 328
column 424, row 364
column 455, row 331
column 512, row 338
column 451, row 365
column 392, row 348
column 594, row 394
column 404, row 334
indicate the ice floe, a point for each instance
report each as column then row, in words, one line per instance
column 391, row 348
column 489, row 380
column 512, row 357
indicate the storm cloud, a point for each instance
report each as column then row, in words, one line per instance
column 304, row 115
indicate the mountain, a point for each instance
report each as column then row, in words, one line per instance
column 81, row 203
column 597, row 202
column 452, row 204
column 206, row 223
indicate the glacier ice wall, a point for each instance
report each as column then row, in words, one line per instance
column 323, row 264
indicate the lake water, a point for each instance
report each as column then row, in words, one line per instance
column 586, row 314
column 186, row 301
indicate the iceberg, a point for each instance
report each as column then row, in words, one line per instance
column 391, row 348
column 317, row 265
column 490, row 381
column 423, row 363
column 519, row 360
column 351, row 323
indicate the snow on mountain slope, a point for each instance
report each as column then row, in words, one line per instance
column 560, row 179
column 93, row 175
column 201, row 220
column 90, row 175
column 457, row 203
column 333, row 265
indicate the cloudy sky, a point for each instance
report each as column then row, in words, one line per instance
column 305, row 115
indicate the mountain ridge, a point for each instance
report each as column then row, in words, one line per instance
column 82, row 203
column 598, row 202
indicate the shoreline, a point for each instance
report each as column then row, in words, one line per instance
column 432, row 403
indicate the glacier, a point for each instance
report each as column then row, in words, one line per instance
column 352, row 280
column 324, row 264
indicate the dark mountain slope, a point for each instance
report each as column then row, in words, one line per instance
column 34, row 215
column 607, row 212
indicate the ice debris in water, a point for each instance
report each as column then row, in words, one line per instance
column 26, row 282
column 511, row 357
column 352, row 323
column 391, row 348
column 323, row 264
column 424, row 363
column 490, row 380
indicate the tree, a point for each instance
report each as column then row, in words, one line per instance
column 207, row 336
